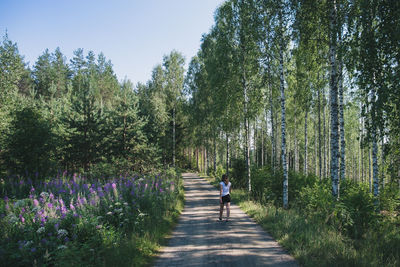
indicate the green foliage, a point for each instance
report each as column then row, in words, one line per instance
column 353, row 214
column 12, row 69
column 219, row 172
column 238, row 173
column 51, row 74
column 316, row 200
column 359, row 203
column 29, row 143
column 85, row 128
column 389, row 200
column 85, row 119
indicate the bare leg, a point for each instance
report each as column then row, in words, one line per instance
column 228, row 210
column 221, row 210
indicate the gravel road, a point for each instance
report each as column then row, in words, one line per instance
column 200, row 239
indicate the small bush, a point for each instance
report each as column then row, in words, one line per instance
column 238, row 173
column 316, row 200
column 359, row 203
column 389, row 198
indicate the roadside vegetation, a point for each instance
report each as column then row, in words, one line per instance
column 72, row 220
column 318, row 230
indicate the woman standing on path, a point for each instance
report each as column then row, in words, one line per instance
column 224, row 196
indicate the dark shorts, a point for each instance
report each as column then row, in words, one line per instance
column 226, row 199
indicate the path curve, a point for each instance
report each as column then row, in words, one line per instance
column 200, row 239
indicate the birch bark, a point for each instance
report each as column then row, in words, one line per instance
column 334, row 142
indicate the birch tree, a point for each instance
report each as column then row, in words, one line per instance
column 334, row 142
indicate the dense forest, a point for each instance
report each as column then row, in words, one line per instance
column 298, row 101
column 301, row 85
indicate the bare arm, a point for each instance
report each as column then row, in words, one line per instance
column 220, row 193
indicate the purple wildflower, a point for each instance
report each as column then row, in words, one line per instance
column 22, row 218
column 35, row 202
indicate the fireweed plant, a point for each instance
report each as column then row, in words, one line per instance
column 41, row 222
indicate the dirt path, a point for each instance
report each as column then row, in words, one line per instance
column 201, row 240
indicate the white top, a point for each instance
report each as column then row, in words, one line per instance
column 225, row 188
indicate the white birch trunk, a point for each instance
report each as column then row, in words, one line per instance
column 324, row 135
column 208, row 162
column 319, row 133
column 315, row 151
column 246, row 132
column 283, row 120
column 360, row 146
column 262, row 144
column 273, row 142
column 296, row 158
column 369, row 170
column 173, row 137
column 255, row 143
column 215, row 155
column 227, row 154
column 247, row 147
column 341, row 124
column 197, row 159
column 334, row 144
column 375, row 169
column 305, row 142
column 382, row 175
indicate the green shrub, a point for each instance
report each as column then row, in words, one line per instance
column 389, row 198
column 316, row 201
column 238, row 173
column 359, row 203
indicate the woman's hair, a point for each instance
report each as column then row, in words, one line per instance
column 224, row 176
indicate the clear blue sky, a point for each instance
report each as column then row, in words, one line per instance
column 133, row 34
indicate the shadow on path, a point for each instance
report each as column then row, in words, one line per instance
column 200, row 239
